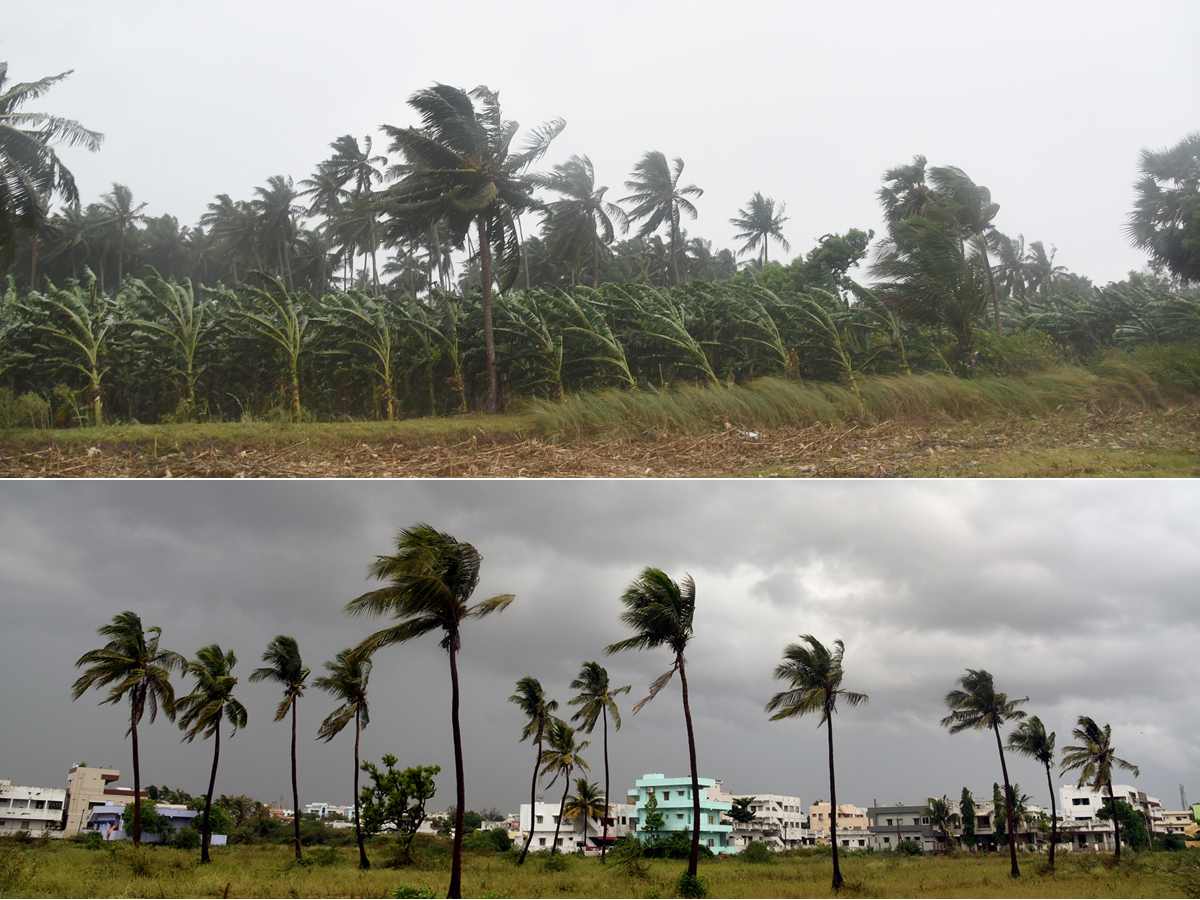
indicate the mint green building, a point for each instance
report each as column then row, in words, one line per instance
column 674, row 796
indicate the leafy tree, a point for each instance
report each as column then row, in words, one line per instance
column 562, row 756
column 285, row 667
column 347, row 682
column 202, row 710
column 537, row 709
column 655, row 190
column 431, row 577
column 185, row 323
column 760, row 222
column 1030, row 739
column 905, row 192
column 741, row 811
column 978, row 705
column 966, row 808
column 596, row 703
column 139, row 672
column 1095, row 758
column 587, row 801
column 459, row 171
column 1165, row 221
column 397, row 798
column 219, row 820
column 660, row 612
column 652, row 820
column 152, row 821
column 814, row 675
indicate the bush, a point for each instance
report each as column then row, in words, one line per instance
column 186, row 839
column 908, row 848
column 626, row 855
column 406, row 891
column 757, row 852
column 494, row 840
column 1016, row 354
column 676, row 845
column 25, row 411
column 690, row 885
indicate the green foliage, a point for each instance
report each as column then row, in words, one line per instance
column 908, row 847
column 16, row 867
column 1133, row 824
column 397, row 798
column 741, row 811
column 1019, row 354
column 153, row 822
column 757, row 852
column 28, row 410
column 627, row 855
column 966, row 806
column 494, row 840
column 407, row 892
column 690, row 885
column 675, row 845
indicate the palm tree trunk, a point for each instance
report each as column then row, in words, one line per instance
column 363, row 862
column 987, row 265
column 137, row 776
column 562, row 806
column 295, row 792
column 675, row 273
column 1053, row 816
column 1112, row 801
column 604, row 839
column 532, row 802
column 694, row 857
column 837, row 872
column 1008, row 811
column 206, row 830
column 485, row 266
column 596, row 284
column 460, row 796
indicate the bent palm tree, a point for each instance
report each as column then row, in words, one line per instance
column 587, row 802
column 561, row 756
column 286, row 668
column 1165, row 221
column 532, row 700
column 596, row 702
column 1094, row 758
column 760, row 222
column 815, row 678
column 979, row 705
column 202, row 711
column 583, row 218
column 655, row 189
column 1030, row 739
column 661, row 612
column 430, row 579
column 138, row 671
column 347, row 682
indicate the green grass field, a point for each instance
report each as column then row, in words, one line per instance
column 65, row 870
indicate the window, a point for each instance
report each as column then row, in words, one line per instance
column 541, row 842
column 679, row 815
column 540, row 819
column 40, row 804
column 666, row 795
column 887, row 840
column 889, row 821
column 556, row 820
column 710, row 842
column 623, row 820
column 924, row 820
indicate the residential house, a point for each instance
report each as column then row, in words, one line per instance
column 87, row 788
column 107, row 821
column 675, row 804
column 852, row 825
column 544, row 820
column 778, row 822
column 887, row 826
column 33, row 809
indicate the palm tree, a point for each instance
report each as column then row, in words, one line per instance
column 596, row 702
column 905, row 192
column 326, row 193
column 352, row 163
column 30, row 171
column 1030, row 739
column 941, row 817
column 347, row 682
column 1165, row 221
column 532, row 701
column 1094, row 757
column 760, row 222
column 583, row 218
column 659, row 198
column 459, row 171
column 972, row 207
column 561, row 756
column 814, row 675
column 587, row 802
column 203, row 709
column 287, row 668
column 276, row 210
column 979, row 705
column 138, row 671
column 430, row 579
column 660, row 612
column 117, row 215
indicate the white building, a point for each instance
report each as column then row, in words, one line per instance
column 1080, row 805
column 324, row 810
column 778, row 822
column 570, row 835
column 33, row 809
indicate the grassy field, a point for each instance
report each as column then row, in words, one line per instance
column 61, row 870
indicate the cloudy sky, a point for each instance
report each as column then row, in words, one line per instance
column 1046, row 104
column 1081, row 595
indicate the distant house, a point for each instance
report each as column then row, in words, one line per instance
column 778, row 822
column 852, row 825
column 675, row 804
column 542, row 819
column 107, row 821
column 33, row 809
column 87, row 788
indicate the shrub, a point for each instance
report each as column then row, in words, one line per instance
column 556, row 862
column 676, row 845
column 15, row 866
column 407, row 891
column 626, row 855
column 690, row 885
column 757, row 852
column 493, row 840
column 1017, row 354
column 186, row 839
column 25, row 411
column 908, row 848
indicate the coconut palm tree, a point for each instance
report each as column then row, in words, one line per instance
column 275, row 211
column 660, row 612
column 1165, row 221
column 140, row 672
column 31, row 173
column 655, row 189
column 596, row 703
column 587, row 801
column 978, row 705
column 1094, row 757
column 972, row 207
column 941, row 816
column 760, row 222
column 532, row 701
column 431, row 578
column 561, row 757
column 285, row 667
column 117, row 215
column 347, row 682
column 905, row 192
column 459, row 171
column 202, row 710
column 814, row 676
column 1030, row 739
column 583, row 219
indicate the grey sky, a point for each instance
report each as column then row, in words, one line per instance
column 1046, row 104
column 1079, row 594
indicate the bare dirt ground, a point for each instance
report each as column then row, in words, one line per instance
column 1144, row 443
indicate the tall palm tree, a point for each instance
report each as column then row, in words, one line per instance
column 326, row 195
column 285, row 667
column 561, row 757
column 532, row 700
column 905, row 192
column 202, row 711
column 655, row 189
column 276, row 211
column 587, row 801
column 972, row 207
column 1165, row 221
column 117, row 215
column 978, row 705
column 596, row 703
column 30, row 171
column 347, row 682
column 1030, row 739
column 353, row 163
column 459, row 171
column 583, row 218
column 140, row 672
column 1094, row 757
column 760, row 222
column 431, row 578
column 814, row 676
column 660, row 612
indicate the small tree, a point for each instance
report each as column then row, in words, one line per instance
column 153, row 822
column 741, row 811
column 966, row 808
column 1133, row 825
column 397, row 798
column 653, row 820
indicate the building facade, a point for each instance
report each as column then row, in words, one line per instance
column 32, row 809
column 778, row 822
column 676, row 806
column 543, row 820
column 107, row 821
column 87, row 788
column 852, row 825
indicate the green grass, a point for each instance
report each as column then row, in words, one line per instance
column 64, row 870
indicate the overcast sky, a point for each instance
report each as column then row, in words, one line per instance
column 1081, row 595
column 1046, row 104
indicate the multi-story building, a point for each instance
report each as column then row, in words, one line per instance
column 1179, row 821
column 889, row 825
column 87, row 788
column 778, row 822
column 676, row 805
column 1080, row 808
column 852, row 825
column 544, row 821
column 32, row 809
